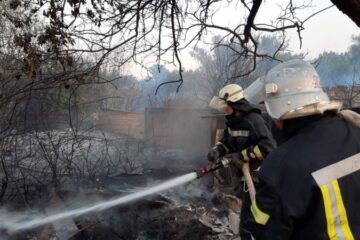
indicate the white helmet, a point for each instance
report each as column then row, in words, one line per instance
column 290, row 90
column 229, row 93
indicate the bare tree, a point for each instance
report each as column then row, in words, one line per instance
column 349, row 94
column 138, row 29
column 77, row 39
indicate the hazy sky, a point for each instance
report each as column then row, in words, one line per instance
column 330, row 30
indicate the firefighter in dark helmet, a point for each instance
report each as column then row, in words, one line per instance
column 309, row 187
column 246, row 137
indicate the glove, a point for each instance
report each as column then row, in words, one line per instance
column 237, row 159
column 251, row 153
column 214, row 154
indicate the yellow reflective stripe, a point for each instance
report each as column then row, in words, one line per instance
column 259, row 216
column 245, row 156
column 328, row 213
column 344, row 223
column 336, row 218
column 258, row 153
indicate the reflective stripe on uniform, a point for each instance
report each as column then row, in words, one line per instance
column 342, row 212
column 259, row 216
column 258, row 153
column 337, row 170
column 335, row 212
column 336, row 218
column 239, row 133
column 245, row 155
column 252, row 153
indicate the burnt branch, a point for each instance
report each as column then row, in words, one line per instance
column 349, row 7
column 250, row 20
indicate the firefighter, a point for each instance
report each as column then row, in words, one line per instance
column 309, row 187
column 245, row 138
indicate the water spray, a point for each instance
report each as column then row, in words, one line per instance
column 19, row 222
column 22, row 223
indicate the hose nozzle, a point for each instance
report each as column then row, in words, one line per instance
column 205, row 170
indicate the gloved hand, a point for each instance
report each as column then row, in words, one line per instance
column 236, row 158
column 214, row 154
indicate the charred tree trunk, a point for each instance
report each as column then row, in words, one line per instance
column 349, row 7
column 4, row 181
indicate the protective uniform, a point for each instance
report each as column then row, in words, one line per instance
column 309, row 187
column 293, row 201
column 246, row 134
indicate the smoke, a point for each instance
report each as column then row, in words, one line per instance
column 180, row 128
column 197, row 192
column 14, row 222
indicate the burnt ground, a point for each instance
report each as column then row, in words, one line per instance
column 193, row 211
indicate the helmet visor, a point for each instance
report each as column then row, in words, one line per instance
column 255, row 93
column 218, row 104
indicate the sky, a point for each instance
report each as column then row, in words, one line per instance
column 330, row 30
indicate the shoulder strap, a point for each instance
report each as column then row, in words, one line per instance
column 350, row 116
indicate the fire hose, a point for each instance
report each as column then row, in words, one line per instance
column 224, row 162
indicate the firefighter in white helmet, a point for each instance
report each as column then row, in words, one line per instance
column 246, row 137
column 309, row 186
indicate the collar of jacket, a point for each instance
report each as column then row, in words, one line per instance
column 232, row 120
column 293, row 126
column 244, row 107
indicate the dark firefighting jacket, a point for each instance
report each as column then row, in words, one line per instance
column 247, row 134
column 309, row 187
